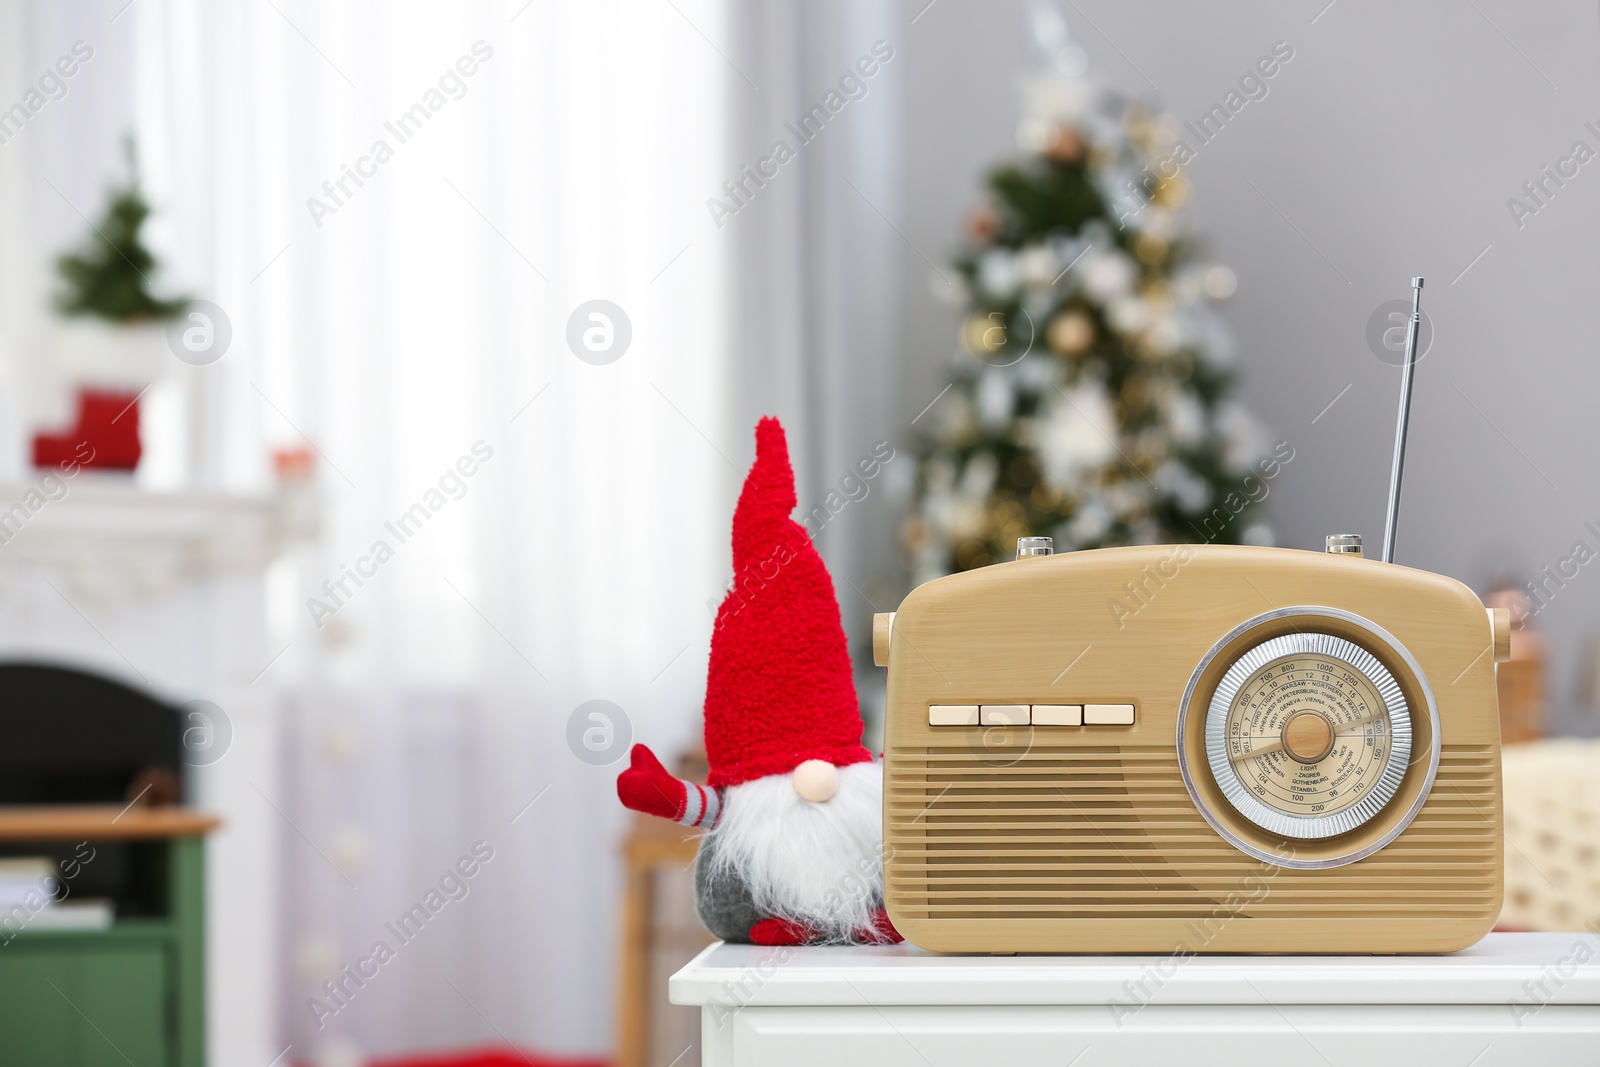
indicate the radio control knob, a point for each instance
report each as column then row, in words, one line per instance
column 1343, row 544
column 882, row 627
column 1500, row 633
column 1035, row 546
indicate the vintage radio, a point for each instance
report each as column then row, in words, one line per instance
column 1201, row 748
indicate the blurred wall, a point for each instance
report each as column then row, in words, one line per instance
column 1387, row 147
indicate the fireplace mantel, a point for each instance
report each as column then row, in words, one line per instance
column 105, row 535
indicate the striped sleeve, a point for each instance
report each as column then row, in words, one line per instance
column 702, row 806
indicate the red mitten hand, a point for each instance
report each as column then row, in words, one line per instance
column 780, row 932
column 880, row 932
column 646, row 786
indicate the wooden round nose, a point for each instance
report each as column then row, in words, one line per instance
column 816, row 780
column 1307, row 736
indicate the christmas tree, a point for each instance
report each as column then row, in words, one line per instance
column 1090, row 399
column 110, row 277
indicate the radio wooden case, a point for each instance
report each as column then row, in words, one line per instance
column 1014, row 823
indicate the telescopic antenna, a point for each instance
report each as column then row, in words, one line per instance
column 1407, row 375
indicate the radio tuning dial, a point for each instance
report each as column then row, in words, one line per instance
column 1308, row 735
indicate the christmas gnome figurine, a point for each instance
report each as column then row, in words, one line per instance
column 793, row 846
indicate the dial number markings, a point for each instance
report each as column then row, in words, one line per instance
column 1335, row 707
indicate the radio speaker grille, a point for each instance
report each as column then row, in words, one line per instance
column 1110, row 832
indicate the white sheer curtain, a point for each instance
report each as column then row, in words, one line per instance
column 422, row 320
column 821, row 260
column 422, row 312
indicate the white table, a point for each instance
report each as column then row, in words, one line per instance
column 1512, row 1000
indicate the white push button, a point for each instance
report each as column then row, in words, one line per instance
column 1058, row 715
column 952, row 715
column 1005, row 714
column 1108, row 714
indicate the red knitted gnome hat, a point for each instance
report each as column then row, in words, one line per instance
column 779, row 690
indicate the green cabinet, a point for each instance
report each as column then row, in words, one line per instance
column 37, row 1023
column 74, row 1000
column 128, row 996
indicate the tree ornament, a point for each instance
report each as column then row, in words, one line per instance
column 1150, row 249
column 1065, row 145
column 984, row 335
column 1172, row 192
column 983, row 224
column 1070, row 333
column 1220, row 282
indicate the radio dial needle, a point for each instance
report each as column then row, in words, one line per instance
column 1342, row 729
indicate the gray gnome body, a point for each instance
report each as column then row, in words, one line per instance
column 722, row 900
column 725, row 904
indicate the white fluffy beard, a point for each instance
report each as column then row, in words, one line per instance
column 819, row 864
